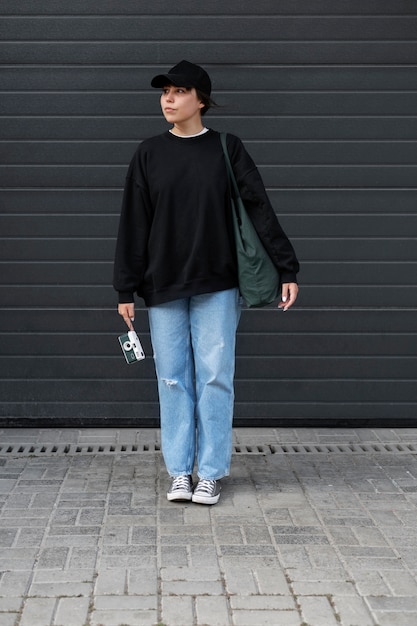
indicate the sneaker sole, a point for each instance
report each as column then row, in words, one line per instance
column 182, row 496
column 205, row 499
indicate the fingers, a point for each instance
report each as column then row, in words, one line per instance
column 127, row 311
column 288, row 295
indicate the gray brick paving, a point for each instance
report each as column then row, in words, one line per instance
column 307, row 532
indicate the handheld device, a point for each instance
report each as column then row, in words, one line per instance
column 131, row 347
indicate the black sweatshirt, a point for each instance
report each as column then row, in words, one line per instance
column 175, row 235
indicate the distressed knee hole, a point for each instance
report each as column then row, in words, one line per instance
column 169, row 382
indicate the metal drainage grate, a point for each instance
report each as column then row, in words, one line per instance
column 348, row 448
column 74, row 449
column 39, row 450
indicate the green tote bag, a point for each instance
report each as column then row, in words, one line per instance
column 258, row 277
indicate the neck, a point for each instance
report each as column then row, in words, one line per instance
column 182, row 130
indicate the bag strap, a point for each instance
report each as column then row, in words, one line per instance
column 232, row 178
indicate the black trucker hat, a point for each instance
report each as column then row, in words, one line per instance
column 185, row 74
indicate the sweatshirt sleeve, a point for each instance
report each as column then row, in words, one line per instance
column 261, row 212
column 133, row 234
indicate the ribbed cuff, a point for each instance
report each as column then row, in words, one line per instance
column 288, row 278
column 125, row 297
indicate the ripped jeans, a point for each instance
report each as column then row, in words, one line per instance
column 194, row 341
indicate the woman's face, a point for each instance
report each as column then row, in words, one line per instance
column 180, row 105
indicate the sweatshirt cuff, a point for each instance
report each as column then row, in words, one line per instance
column 125, row 297
column 288, row 278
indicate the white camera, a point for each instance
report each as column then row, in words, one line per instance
column 131, row 347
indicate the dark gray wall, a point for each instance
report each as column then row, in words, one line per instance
column 323, row 92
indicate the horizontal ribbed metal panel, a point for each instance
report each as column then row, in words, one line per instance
column 322, row 93
column 216, row 7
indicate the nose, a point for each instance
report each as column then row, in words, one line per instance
column 169, row 95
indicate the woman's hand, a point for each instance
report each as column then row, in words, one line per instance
column 289, row 292
column 127, row 311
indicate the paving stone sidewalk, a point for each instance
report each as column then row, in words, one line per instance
column 314, row 527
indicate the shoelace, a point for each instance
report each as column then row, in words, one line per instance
column 206, row 485
column 181, row 483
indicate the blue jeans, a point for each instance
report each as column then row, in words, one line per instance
column 194, row 341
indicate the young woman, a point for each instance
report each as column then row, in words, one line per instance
column 175, row 249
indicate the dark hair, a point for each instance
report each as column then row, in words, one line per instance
column 206, row 100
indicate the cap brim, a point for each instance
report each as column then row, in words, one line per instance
column 179, row 80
